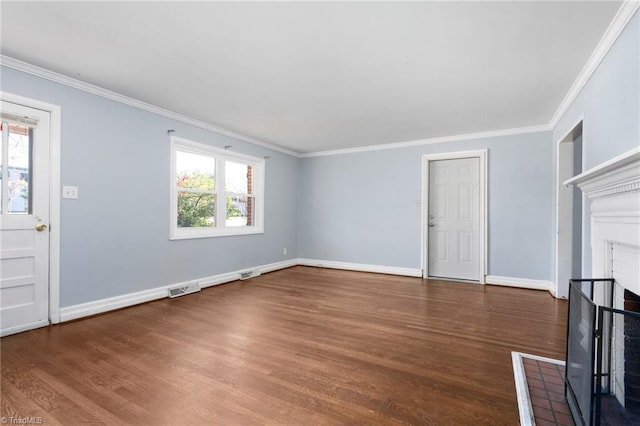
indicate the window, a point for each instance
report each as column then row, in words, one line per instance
column 16, row 168
column 214, row 192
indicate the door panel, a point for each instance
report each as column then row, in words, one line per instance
column 465, row 204
column 442, row 253
column 24, row 251
column 465, row 248
column 454, row 219
column 442, row 206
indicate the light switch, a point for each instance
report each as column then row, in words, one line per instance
column 70, row 192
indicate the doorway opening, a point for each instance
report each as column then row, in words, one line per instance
column 569, row 221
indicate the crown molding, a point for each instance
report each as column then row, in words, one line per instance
column 429, row 141
column 617, row 25
column 108, row 94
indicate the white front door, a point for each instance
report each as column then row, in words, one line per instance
column 454, row 219
column 24, row 219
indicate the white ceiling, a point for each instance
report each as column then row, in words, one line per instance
column 321, row 76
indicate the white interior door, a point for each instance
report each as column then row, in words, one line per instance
column 454, row 219
column 24, row 219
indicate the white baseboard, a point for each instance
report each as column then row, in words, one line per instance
column 278, row 265
column 105, row 305
column 519, row 282
column 392, row 270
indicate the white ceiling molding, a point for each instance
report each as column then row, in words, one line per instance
column 99, row 91
column 430, row 141
column 618, row 24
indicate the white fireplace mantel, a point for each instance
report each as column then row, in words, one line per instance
column 620, row 174
column 613, row 189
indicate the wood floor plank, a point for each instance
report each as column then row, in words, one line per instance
column 298, row 346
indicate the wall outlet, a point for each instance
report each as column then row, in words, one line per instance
column 284, row 251
column 70, row 192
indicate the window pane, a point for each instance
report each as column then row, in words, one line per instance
column 19, row 169
column 238, row 177
column 240, row 211
column 196, row 210
column 195, row 171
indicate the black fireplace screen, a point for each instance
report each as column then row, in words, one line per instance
column 617, row 392
column 592, row 397
column 580, row 350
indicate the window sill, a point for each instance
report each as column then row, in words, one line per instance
column 188, row 234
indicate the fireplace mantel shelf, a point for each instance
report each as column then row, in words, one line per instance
column 620, row 174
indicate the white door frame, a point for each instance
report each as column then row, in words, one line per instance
column 481, row 154
column 564, row 240
column 54, row 195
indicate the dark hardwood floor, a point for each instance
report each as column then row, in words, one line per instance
column 299, row 346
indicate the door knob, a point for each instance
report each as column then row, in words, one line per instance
column 41, row 227
column 431, row 225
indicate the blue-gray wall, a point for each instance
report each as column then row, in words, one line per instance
column 610, row 105
column 364, row 207
column 115, row 237
column 610, row 102
column 359, row 207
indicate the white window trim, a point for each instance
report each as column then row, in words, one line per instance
column 221, row 155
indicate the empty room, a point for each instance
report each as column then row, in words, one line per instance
column 301, row 213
